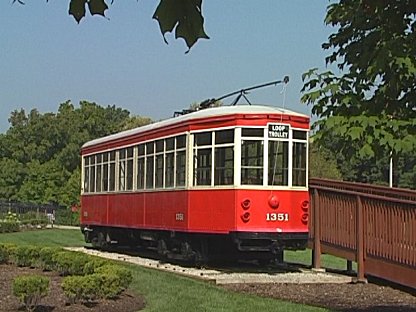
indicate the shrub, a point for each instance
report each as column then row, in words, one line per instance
column 67, row 217
column 81, row 288
column 7, row 252
column 107, row 281
column 30, row 289
column 110, row 285
column 9, row 226
column 45, row 260
column 34, row 219
column 26, row 256
column 124, row 276
column 70, row 263
column 11, row 217
column 4, row 255
column 93, row 264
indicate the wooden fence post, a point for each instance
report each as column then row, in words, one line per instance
column 360, row 241
column 316, row 260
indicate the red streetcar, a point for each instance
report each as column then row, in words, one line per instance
column 226, row 181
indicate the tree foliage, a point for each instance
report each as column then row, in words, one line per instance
column 322, row 163
column 371, row 103
column 184, row 17
column 351, row 167
column 40, row 153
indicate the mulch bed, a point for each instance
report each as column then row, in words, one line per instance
column 340, row 297
column 56, row 300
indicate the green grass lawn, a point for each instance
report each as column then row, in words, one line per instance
column 166, row 291
column 327, row 261
column 47, row 237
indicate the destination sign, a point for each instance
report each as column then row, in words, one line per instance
column 278, row 131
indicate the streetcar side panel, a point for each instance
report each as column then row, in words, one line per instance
column 212, row 210
column 282, row 211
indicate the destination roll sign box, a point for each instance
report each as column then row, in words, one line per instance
column 278, row 131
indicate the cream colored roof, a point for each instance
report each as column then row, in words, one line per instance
column 203, row 113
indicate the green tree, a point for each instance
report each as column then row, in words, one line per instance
column 374, row 169
column 184, row 17
column 322, row 163
column 135, row 122
column 370, row 103
column 11, row 178
column 44, row 183
column 40, row 153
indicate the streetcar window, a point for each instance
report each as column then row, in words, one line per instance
column 299, row 135
column 105, row 173
column 181, row 141
column 159, row 171
column 299, row 164
column 224, row 136
column 278, row 163
column 122, row 153
column 98, row 182
column 91, row 187
column 140, row 173
column 252, row 132
column 224, row 166
column 140, row 167
column 125, row 169
column 112, row 155
column 129, row 174
column 170, row 144
column 252, row 162
column 149, row 148
column 149, row 165
column 202, row 159
column 149, row 172
column 180, row 168
column 86, row 174
column 159, row 146
column 122, row 170
column 224, row 157
column 203, row 138
column 112, row 169
column 169, row 169
column 140, row 150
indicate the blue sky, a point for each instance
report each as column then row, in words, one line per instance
column 46, row 58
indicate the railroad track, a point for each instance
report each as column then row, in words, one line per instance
column 245, row 273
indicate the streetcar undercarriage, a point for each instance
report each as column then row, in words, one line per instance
column 198, row 247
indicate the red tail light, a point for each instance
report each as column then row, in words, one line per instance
column 305, row 218
column 305, row 205
column 245, row 217
column 246, row 203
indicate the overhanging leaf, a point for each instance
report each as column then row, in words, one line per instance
column 184, row 16
column 77, row 9
column 97, row 7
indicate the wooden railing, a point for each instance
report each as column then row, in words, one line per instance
column 372, row 225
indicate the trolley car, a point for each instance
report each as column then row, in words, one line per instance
column 226, row 181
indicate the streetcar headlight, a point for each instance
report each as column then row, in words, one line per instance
column 274, row 201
